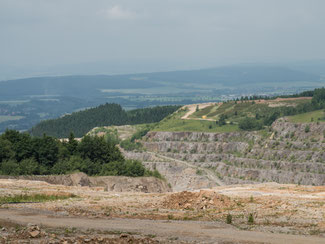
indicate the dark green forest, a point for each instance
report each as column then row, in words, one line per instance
column 104, row 115
column 22, row 154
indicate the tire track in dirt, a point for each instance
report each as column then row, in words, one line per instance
column 191, row 231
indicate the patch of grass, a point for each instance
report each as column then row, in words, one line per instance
column 170, row 216
column 202, row 112
column 176, row 124
column 251, row 199
column 233, row 112
column 33, row 198
column 318, row 115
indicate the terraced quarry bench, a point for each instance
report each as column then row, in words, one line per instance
column 286, row 153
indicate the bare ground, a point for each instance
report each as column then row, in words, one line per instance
column 281, row 213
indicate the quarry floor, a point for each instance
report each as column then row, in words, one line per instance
column 279, row 214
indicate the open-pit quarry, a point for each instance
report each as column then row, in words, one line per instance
column 237, row 187
column 250, row 213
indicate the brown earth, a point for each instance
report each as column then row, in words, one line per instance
column 281, row 213
column 197, row 200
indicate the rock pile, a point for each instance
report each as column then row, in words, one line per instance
column 203, row 199
column 34, row 234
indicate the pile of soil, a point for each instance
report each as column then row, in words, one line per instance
column 197, row 200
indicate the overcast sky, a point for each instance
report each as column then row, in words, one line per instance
column 183, row 33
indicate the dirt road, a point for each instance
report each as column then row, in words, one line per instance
column 191, row 231
column 192, row 108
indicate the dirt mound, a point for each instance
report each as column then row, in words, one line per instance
column 197, row 200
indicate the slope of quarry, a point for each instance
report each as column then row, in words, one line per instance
column 220, row 184
column 286, row 153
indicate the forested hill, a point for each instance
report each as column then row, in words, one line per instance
column 104, row 115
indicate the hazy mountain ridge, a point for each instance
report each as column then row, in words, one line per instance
column 92, row 84
column 38, row 98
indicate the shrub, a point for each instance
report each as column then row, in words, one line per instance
column 134, row 168
column 128, row 145
column 29, row 167
column 112, row 137
column 131, row 168
column 155, row 174
column 139, row 134
column 307, row 128
column 222, row 120
column 251, row 199
column 10, row 167
column 250, row 219
column 229, row 219
column 250, row 124
column 6, row 151
column 73, row 164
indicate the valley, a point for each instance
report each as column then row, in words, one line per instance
column 162, row 122
column 50, row 97
column 216, row 182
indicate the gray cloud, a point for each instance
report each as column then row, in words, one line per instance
column 181, row 33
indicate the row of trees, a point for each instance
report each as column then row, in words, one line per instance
column 21, row 154
column 104, row 115
column 267, row 117
column 265, row 97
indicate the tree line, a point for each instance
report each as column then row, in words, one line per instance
column 104, row 115
column 266, row 119
column 22, row 154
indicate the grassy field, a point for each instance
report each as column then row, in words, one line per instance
column 235, row 111
column 318, row 115
column 33, row 198
column 174, row 123
column 4, row 118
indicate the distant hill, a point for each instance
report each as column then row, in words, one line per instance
column 74, row 86
column 236, row 75
column 104, row 115
column 25, row 102
column 92, row 86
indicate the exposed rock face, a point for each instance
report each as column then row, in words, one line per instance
column 288, row 153
column 285, row 128
column 179, row 175
column 77, row 179
column 126, row 184
column 110, row 183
